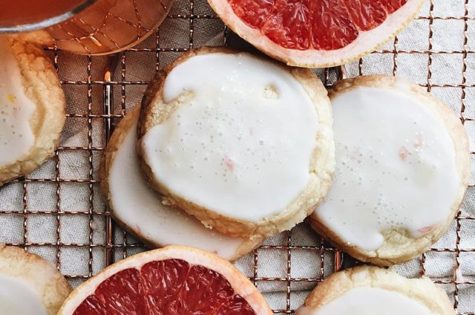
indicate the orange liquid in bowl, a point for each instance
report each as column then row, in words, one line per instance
column 104, row 27
column 19, row 12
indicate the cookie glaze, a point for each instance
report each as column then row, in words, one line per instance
column 19, row 298
column 16, row 109
column 369, row 301
column 395, row 167
column 241, row 139
column 139, row 207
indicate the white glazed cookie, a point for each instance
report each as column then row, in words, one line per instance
column 372, row 290
column 29, row 285
column 31, row 108
column 402, row 169
column 139, row 209
column 242, row 143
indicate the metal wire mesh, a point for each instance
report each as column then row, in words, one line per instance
column 99, row 98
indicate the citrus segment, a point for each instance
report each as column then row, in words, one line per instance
column 321, row 24
column 117, row 295
column 316, row 33
column 170, row 286
column 175, row 280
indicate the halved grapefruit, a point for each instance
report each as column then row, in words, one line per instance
column 174, row 280
column 316, row 33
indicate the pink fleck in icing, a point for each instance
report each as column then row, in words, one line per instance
column 229, row 163
column 425, row 229
column 404, row 153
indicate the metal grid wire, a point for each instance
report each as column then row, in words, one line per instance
column 104, row 96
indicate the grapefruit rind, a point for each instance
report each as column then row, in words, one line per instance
column 241, row 285
column 365, row 43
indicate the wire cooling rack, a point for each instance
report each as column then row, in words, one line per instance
column 58, row 211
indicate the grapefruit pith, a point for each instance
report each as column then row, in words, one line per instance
column 174, row 280
column 316, row 33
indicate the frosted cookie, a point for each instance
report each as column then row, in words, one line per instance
column 139, row 209
column 240, row 142
column 29, row 285
column 402, row 169
column 372, row 290
column 31, row 109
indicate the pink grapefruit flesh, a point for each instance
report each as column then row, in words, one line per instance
column 316, row 32
column 170, row 286
column 298, row 24
column 175, row 280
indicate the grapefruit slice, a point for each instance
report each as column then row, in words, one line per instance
column 316, row 33
column 29, row 285
column 139, row 209
column 174, row 280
